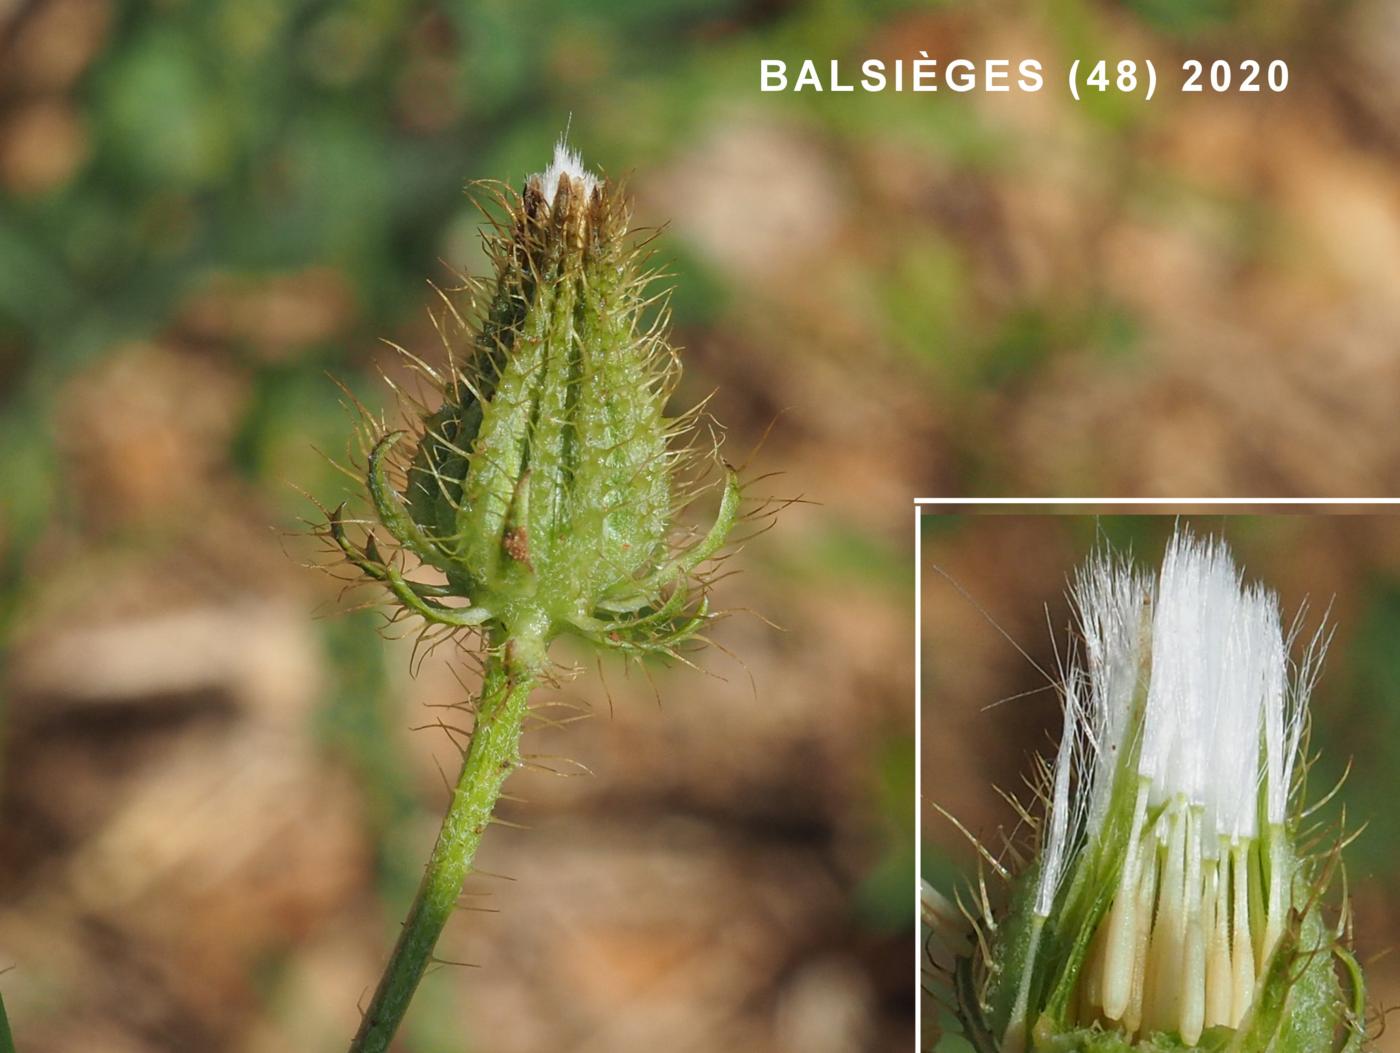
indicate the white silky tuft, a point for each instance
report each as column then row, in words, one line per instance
column 1191, row 625
column 1218, row 662
column 1283, row 725
column 1192, row 671
column 1064, row 816
column 1112, row 601
column 566, row 162
column 1223, row 717
column 1252, row 677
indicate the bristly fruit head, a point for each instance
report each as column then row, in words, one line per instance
column 545, row 489
column 1171, row 904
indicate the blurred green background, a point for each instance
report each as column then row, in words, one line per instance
column 987, row 709
column 213, row 810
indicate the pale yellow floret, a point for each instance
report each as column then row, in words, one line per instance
column 1162, row 1009
column 1146, row 894
column 1193, row 979
column 1219, row 969
column 1121, row 944
column 1187, row 956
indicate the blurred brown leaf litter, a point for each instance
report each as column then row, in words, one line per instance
column 212, row 809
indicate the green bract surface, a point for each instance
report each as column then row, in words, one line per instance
column 546, row 487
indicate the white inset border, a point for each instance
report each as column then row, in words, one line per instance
column 923, row 506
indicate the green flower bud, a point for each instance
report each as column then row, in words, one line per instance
column 546, row 487
column 1170, row 905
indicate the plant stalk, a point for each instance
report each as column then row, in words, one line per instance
column 493, row 753
column 7, row 1042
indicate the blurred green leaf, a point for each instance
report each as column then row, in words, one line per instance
column 160, row 113
column 885, row 898
column 1186, row 16
column 1371, row 666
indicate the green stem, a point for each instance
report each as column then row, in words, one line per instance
column 7, row 1043
column 492, row 755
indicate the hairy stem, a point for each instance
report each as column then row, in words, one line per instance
column 494, row 751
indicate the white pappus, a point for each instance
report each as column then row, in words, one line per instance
column 1185, row 712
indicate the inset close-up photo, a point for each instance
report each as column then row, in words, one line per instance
column 1157, row 801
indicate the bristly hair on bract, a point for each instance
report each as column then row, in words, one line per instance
column 1165, row 890
column 541, row 483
